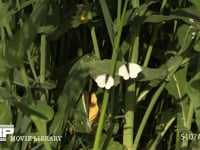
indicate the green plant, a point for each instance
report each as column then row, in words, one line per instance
column 52, row 51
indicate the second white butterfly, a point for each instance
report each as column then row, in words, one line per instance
column 129, row 70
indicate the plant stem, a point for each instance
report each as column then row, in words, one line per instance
column 94, row 40
column 107, row 93
column 188, row 122
column 135, row 3
column 92, row 30
column 31, row 63
column 101, row 120
column 130, row 102
column 43, row 64
column 147, row 114
column 177, row 144
column 149, row 51
column 130, row 95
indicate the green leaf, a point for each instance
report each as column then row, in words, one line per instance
column 113, row 145
column 167, row 119
column 51, row 22
column 44, row 109
column 140, row 11
column 23, row 124
column 177, row 85
column 5, row 114
column 5, row 16
column 74, row 86
column 188, row 15
column 4, row 71
column 42, row 129
column 80, row 121
column 29, row 110
column 40, row 110
column 16, row 78
column 197, row 46
column 108, row 20
column 186, row 34
column 193, row 89
column 41, row 123
column 196, row 3
column 147, row 74
column 15, row 49
column 70, row 17
column 172, row 65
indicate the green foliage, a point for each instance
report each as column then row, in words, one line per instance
column 6, row 115
column 15, row 49
column 52, row 51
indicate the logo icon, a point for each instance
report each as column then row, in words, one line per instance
column 5, row 130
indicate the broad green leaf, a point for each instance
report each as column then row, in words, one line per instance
column 162, row 18
column 177, row 85
column 29, row 110
column 15, row 49
column 172, row 65
column 147, row 74
column 74, row 86
column 114, row 146
column 188, row 15
column 186, row 34
column 40, row 110
column 68, row 100
column 197, row 46
column 5, row 16
column 81, row 61
column 80, row 122
column 196, row 3
column 140, row 11
column 5, row 114
column 193, row 89
column 44, row 109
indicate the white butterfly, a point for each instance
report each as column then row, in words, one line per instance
column 104, row 80
column 129, row 70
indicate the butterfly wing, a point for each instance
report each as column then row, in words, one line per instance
column 101, row 80
column 123, row 72
column 134, row 70
column 109, row 83
column 93, row 109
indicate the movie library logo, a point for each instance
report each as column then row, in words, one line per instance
column 6, row 130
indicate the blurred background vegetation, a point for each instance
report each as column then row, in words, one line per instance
column 51, row 52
